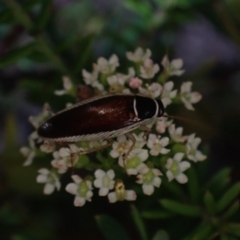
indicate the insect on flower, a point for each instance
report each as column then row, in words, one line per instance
column 102, row 118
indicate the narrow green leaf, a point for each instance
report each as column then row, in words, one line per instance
column 161, row 235
column 181, row 208
column 110, row 228
column 233, row 228
column 43, row 16
column 228, row 197
column 193, row 184
column 201, row 232
column 16, row 54
column 219, row 180
column 157, row 214
column 209, row 202
column 139, row 222
column 232, row 210
column 19, row 14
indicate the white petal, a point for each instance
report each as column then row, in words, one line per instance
column 178, row 156
column 112, row 197
column 98, row 183
column 157, row 182
column 186, row 87
column 195, row 97
column 181, row 178
column 99, row 174
column 184, row 166
column 169, row 163
column 48, row 188
column 164, row 141
column 76, row 179
column 200, row 156
column 60, row 92
column 130, row 195
column 114, row 154
column 177, row 63
column 143, row 155
column 148, row 189
column 42, row 178
column 169, row 175
column 89, row 196
column 72, row 188
column 111, row 174
column 79, row 201
column 103, row 191
column 44, row 171
column 164, row 151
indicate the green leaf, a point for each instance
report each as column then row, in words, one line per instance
column 43, row 16
column 193, row 184
column 209, row 202
column 228, row 197
column 232, row 210
column 181, row 208
column 19, row 14
column 233, row 228
column 219, row 180
column 202, row 232
column 157, row 214
column 161, row 235
column 110, row 228
column 139, row 222
column 16, row 54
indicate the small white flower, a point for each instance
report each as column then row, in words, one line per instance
column 174, row 67
column 67, row 85
column 149, row 69
column 30, row 152
column 104, row 181
column 120, row 194
column 82, row 189
column 62, row 163
column 139, row 55
column 152, row 90
column 116, row 82
column 157, row 144
column 191, row 149
column 92, row 79
column 50, row 179
column 135, row 82
column 149, row 178
column 176, row 133
column 120, row 147
column 36, row 121
column 162, row 124
column 140, row 140
column 176, row 168
column 134, row 162
column 189, row 97
column 107, row 66
column 48, row 146
column 168, row 94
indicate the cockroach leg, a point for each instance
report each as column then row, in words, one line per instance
column 146, row 130
column 132, row 138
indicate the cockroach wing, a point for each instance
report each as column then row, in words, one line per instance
column 102, row 115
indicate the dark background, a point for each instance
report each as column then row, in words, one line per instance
column 43, row 40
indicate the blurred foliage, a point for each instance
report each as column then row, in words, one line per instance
column 42, row 40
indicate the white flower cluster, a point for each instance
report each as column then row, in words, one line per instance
column 165, row 152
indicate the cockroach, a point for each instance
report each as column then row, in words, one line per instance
column 102, row 118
